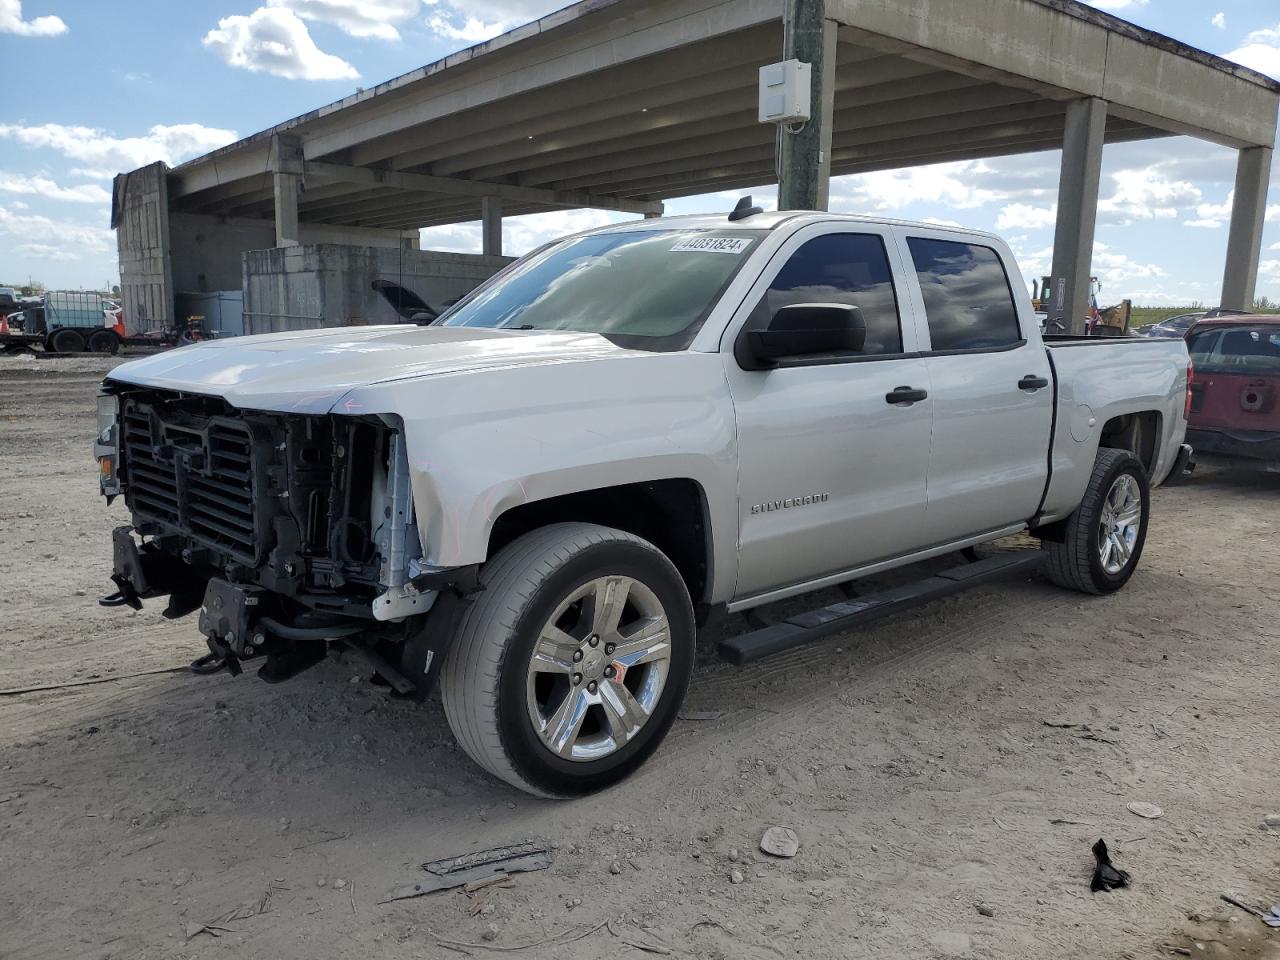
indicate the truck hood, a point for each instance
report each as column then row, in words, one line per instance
column 309, row 371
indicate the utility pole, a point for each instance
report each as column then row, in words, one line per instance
column 804, row 167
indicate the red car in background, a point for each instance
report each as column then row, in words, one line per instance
column 1234, row 417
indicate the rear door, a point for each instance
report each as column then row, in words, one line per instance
column 991, row 386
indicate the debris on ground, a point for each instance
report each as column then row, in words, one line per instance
column 701, row 715
column 1270, row 917
column 1106, row 876
column 494, row 864
column 1146, row 810
column 1272, row 820
column 986, row 911
column 780, row 842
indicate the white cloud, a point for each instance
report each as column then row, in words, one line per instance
column 472, row 21
column 1269, row 269
column 1211, row 215
column 472, row 31
column 44, row 187
column 1118, row 268
column 1024, row 216
column 29, row 229
column 274, row 40
column 1275, row 247
column 106, row 152
column 950, row 184
column 519, row 234
column 47, row 251
column 357, row 18
column 1145, row 194
column 11, row 22
column 1219, row 20
column 1260, row 51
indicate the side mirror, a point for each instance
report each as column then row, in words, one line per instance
column 801, row 329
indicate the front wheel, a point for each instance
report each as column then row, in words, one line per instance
column 1102, row 541
column 569, row 667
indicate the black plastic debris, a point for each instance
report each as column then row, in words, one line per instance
column 1106, row 876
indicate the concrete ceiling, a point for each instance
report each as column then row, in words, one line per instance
column 618, row 104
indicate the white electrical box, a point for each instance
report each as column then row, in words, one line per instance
column 785, row 92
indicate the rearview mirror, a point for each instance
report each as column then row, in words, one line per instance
column 801, row 329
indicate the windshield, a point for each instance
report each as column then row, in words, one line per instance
column 649, row 289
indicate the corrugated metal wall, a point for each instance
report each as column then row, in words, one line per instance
column 140, row 216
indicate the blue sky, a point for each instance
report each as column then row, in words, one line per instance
column 90, row 88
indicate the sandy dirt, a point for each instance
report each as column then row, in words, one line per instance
column 915, row 760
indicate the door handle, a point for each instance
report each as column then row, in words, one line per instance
column 905, row 395
column 1032, row 382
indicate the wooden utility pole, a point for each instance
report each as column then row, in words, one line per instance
column 805, row 157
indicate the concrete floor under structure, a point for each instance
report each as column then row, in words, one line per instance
column 622, row 104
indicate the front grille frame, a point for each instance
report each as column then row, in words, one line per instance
column 198, row 477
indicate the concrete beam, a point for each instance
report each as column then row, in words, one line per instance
column 491, row 226
column 470, row 188
column 1079, row 54
column 1078, row 208
column 1244, row 243
column 732, row 109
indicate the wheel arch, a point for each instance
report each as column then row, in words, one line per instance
column 672, row 513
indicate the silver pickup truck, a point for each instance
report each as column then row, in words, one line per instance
column 538, row 499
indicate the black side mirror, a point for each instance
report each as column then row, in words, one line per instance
column 801, row 329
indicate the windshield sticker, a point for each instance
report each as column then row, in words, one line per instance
column 734, row 245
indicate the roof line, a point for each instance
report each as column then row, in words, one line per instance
column 584, row 8
column 1109, row 21
column 569, row 14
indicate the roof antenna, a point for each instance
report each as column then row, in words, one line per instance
column 744, row 209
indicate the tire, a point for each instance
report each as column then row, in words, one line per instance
column 103, row 341
column 1082, row 561
column 492, row 689
column 66, row 340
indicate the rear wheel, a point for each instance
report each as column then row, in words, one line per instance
column 569, row 667
column 66, row 340
column 103, row 341
column 1102, row 541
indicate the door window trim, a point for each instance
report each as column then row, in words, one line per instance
column 889, row 241
column 905, row 234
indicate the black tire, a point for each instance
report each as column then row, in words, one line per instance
column 483, row 680
column 103, row 341
column 1076, row 562
column 66, row 340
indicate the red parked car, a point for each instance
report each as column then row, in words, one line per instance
column 1234, row 415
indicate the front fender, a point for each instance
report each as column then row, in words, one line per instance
column 483, row 442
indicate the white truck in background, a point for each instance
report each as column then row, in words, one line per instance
column 539, row 498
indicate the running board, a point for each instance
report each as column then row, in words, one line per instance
column 811, row 625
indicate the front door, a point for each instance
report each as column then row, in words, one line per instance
column 991, row 386
column 831, row 467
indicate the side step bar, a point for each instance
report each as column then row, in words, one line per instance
column 811, row 625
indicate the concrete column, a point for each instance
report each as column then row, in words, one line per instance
column 287, row 165
column 286, row 195
column 1078, row 208
column 805, row 168
column 491, row 226
column 1244, row 244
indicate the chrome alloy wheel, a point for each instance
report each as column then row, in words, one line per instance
column 1120, row 523
column 598, row 668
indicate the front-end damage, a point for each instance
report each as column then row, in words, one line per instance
column 286, row 531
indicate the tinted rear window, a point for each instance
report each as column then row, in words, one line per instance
column 1236, row 349
column 967, row 298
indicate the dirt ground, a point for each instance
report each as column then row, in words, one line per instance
column 925, row 763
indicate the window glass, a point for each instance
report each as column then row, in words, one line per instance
column 848, row 268
column 1236, row 350
column 967, row 298
column 649, row 289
